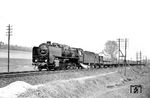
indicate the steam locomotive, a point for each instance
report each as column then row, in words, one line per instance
column 55, row 56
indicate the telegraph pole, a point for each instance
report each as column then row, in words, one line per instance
column 139, row 58
column 9, row 34
column 119, row 50
column 124, row 53
column 146, row 60
column 125, row 56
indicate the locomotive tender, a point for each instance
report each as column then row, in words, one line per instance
column 52, row 56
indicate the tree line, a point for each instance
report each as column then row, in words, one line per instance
column 15, row 47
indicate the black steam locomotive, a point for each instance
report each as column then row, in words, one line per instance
column 52, row 56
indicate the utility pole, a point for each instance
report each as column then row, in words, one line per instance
column 124, row 55
column 146, row 60
column 9, row 34
column 119, row 49
column 139, row 58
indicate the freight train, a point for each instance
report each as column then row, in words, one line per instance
column 55, row 56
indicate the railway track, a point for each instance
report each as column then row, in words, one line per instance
column 31, row 73
column 35, row 77
column 13, row 74
column 35, row 72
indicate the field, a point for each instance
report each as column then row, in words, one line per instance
column 100, row 83
column 19, row 61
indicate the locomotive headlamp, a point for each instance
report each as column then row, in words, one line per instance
column 45, row 60
column 36, row 60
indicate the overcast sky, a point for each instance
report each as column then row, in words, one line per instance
column 87, row 24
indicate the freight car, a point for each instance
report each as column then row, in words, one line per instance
column 52, row 56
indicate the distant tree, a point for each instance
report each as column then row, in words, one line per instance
column 15, row 47
column 1, row 43
column 110, row 49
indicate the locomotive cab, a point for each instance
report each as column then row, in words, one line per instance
column 34, row 55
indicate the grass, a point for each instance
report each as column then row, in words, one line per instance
column 83, row 84
column 15, row 64
column 15, row 54
column 19, row 60
column 82, row 87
